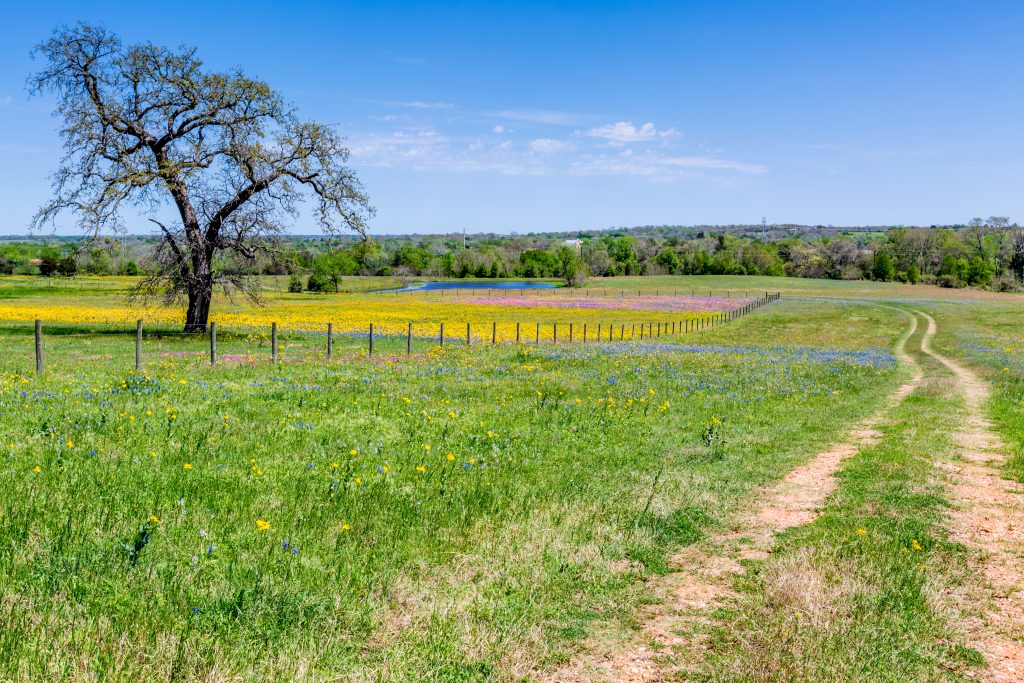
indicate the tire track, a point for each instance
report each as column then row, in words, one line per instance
column 704, row 573
column 988, row 517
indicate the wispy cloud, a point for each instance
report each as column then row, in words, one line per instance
column 429, row 150
column 541, row 116
column 6, row 101
column 549, row 146
column 400, row 148
column 417, row 104
column 625, row 131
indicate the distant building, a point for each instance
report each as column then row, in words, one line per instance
column 575, row 244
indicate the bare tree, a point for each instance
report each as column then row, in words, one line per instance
column 841, row 256
column 147, row 127
column 1000, row 239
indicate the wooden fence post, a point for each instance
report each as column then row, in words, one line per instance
column 442, row 332
column 570, row 333
column 39, row 346
column 138, row 345
column 554, row 336
column 330, row 339
column 371, row 340
column 494, row 333
column 408, row 340
column 273, row 342
column 213, row 343
column 467, row 335
column 584, row 333
column 517, row 333
column 537, row 342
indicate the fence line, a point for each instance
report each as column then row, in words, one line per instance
column 677, row 327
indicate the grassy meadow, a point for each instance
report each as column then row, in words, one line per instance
column 465, row 514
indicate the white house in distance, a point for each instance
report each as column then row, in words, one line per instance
column 575, row 244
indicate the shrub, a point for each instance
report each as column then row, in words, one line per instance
column 295, row 284
column 882, row 267
column 48, row 265
column 949, row 280
column 67, row 266
column 319, row 282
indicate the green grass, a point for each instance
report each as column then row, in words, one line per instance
column 864, row 592
column 990, row 337
column 574, row 473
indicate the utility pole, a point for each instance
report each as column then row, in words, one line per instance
column 764, row 222
column 463, row 238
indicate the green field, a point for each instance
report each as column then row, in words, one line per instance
column 497, row 512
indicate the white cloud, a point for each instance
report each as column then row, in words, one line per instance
column 540, row 116
column 657, row 165
column 625, row 131
column 498, row 130
column 549, row 146
column 427, row 150
column 712, row 163
column 400, row 148
column 417, row 104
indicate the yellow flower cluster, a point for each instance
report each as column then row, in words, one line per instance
column 354, row 313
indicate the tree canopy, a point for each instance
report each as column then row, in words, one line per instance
column 150, row 128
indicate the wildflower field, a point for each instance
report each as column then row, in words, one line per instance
column 454, row 514
column 81, row 303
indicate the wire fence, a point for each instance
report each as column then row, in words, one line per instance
column 415, row 336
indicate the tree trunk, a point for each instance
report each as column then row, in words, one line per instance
column 198, row 314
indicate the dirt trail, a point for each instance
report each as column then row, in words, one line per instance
column 989, row 518
column 705, row 572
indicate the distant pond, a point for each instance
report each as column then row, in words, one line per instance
column 422, row 286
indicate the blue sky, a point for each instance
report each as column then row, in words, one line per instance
column 528, row 116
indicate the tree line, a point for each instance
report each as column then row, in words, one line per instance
column 982, row 253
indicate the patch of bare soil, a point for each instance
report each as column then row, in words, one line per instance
column 988, row 518
column 704, row 574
